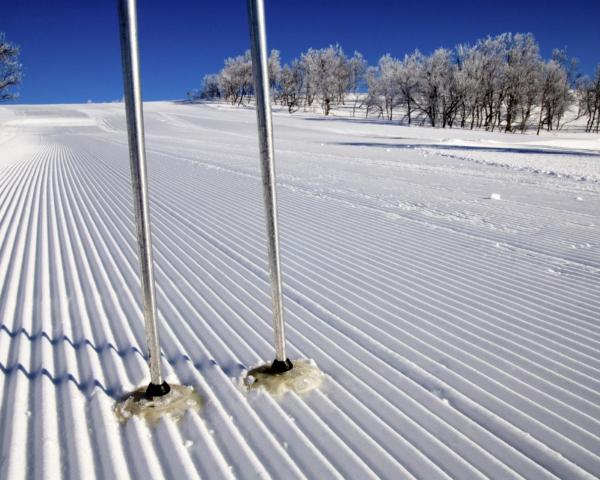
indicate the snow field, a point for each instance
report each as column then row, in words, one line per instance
column 459, row 334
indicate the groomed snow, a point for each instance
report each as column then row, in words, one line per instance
column 460, row 335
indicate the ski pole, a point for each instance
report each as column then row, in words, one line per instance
column 258, row 42
column 137, row 158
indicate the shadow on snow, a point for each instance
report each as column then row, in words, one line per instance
column 518, row 150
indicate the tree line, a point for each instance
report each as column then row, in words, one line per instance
column 498, row 83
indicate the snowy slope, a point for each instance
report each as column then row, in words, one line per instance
column 459, row 332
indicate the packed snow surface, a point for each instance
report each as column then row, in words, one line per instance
column 459, row 336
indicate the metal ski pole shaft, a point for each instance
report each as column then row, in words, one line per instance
column 258, row 41
column 137, row 158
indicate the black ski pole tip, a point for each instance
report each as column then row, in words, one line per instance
column 154, row 390
column 280, row 366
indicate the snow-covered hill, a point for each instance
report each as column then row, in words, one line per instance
column 446, row 282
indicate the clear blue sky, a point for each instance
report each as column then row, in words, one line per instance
column 70, row 50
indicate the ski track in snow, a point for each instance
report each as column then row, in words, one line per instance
column 460, row 335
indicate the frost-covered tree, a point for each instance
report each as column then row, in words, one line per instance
column 235, row 80
column 210, row 88
column 453, row 93
column 326, row 75
column 291, row 86
column 274, row 67
column 483, row 65
column 408, row 81
column 555, row 95
column 357, row 67
column 588, row 100
column 469, row 61
column 10, row 69
column 372, row 101
column 384, row 85
column 521, row 77
column 493, row 54
column 498, row 77
column 436, row 96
